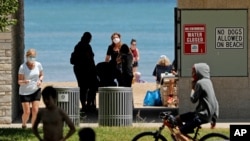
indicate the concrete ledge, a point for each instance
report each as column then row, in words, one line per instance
column 218, row 125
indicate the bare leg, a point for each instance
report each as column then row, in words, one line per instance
column 181, row 137
column 35, row 108
column 134, row 69
column 26, row 113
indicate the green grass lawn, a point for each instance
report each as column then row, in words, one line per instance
column 102, row 133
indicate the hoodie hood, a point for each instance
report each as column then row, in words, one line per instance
column 202, row 70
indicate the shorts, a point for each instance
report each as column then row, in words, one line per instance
column 135, row 64
column 192, row 120
column 36, row 96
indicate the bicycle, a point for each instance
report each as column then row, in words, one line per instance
column 167, row 118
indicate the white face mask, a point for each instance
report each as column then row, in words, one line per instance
column 116, row 40
column 31, row 59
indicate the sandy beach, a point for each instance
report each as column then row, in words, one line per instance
column 139, row 90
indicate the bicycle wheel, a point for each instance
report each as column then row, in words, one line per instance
column 149, row 136
column 214, row 137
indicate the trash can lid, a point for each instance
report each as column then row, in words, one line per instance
column 66, row 88
column 112, row 88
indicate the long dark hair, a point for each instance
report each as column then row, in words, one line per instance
column 124, row 49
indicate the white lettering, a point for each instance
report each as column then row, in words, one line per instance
column 194, row 40
column 240, row 132
column 237, row 132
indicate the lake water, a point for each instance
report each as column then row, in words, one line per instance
column 53, row 27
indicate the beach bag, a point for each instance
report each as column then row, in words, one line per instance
column 152, row 98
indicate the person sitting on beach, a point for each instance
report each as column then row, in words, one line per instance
column 138, row 78
column 162, row 66
column 53, row 118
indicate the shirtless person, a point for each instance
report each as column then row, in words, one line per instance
column 53, row 118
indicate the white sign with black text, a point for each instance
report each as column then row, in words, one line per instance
column 229, row 37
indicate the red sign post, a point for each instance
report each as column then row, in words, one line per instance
column 194, row 39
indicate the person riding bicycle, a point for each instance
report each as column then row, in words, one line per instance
column 202, row 92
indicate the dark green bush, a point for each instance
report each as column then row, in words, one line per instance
column 7, row 9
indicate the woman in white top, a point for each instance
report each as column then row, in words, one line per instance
column 30, row 76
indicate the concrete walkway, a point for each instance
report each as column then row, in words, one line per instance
column 142, row 117
column 218, row 125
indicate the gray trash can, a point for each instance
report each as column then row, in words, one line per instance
column 68, row 100
column 115, row 106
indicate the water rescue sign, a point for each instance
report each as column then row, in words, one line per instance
column 194, row 39
column 231, row 37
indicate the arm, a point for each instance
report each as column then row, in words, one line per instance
column 72, row 128
column 154, row 72
column 35, row 126
column 108, row 54
column 21, row 80
column 195, row 93
column 138, row 55
column 40, row 78
column 107, row 58
column 39, row 82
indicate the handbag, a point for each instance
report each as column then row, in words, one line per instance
column 152, row 98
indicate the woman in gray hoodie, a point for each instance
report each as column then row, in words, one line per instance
column 202, row 92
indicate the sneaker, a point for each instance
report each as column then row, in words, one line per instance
column 24, row 126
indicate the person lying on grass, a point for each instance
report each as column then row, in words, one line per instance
column 53, row 118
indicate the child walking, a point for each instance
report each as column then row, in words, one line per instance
column 52, row 118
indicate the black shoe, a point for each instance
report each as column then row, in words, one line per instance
column 83, row 109
column 91, row 109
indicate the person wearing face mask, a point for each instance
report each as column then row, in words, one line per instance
column 112, row 53
column 30, row 76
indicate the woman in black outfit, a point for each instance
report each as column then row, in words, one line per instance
column 85, row 71
column 125, row 66
column 112, row 53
